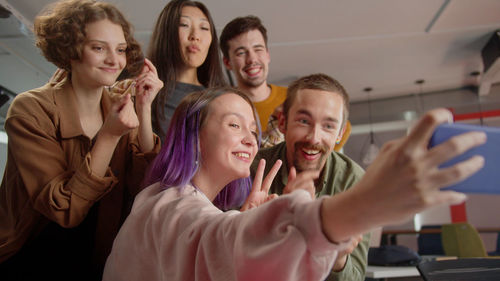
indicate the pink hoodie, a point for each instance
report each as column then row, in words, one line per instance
column 172, row 235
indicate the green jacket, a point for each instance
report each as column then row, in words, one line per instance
column 339, row 174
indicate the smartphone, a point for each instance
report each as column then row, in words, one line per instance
column 487, row 179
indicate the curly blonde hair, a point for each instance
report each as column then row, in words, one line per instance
column 60, row 32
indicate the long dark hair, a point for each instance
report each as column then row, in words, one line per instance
column 165, row 54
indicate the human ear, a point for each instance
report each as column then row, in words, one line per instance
column 226, row 63
column 282, row 123
column 341, row 133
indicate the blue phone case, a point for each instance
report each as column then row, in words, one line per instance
column 487, row 179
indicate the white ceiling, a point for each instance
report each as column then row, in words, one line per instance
column 383, row 44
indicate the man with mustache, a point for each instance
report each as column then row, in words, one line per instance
column 314, row 117
column 244, row 47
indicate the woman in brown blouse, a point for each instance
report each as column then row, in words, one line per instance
column 77, row 147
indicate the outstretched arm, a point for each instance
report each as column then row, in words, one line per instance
column 405, row 180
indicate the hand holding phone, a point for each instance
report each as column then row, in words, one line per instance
column 486, row 180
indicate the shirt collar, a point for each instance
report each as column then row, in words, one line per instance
column 66, row 103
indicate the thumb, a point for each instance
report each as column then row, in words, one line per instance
column 272, row 196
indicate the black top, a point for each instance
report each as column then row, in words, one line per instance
column 180, row 91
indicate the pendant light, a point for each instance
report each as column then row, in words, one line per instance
column 475, row 75
column 419, row 103
column 372, row 149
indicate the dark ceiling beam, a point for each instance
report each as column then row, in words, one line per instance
column 436, row 16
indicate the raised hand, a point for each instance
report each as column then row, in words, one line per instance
column 304, row 180
column 147, row 85
column 408, row 172
column 260, row 188
column 404, row 179
column 121, row 118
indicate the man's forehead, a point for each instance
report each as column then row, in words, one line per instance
column 313, row 94
column 253, row 37
column 305, row 98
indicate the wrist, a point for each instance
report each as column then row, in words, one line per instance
column 143, row 108
column 107, row 137
column 143, row 113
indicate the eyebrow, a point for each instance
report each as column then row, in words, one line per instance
column 259, row 46
column 188, row 17
column 244, row 48
column 241, row 48
column 254, row 123
column 328, row 118
column 104, row 42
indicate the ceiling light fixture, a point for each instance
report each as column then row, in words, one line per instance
column 418, row 95
column 475, row 75
column 370, row 153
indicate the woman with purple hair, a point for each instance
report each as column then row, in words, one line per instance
column 181, row 226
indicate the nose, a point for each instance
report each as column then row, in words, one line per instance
column 194, row 35
column 251, row 57
column 313, row 135
column 111, row 58
column 249, row 138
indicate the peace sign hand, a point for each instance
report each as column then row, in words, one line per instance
column 260, row 189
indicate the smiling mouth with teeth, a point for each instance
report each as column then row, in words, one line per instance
column 311, row 151
column 242, row 155
column 253, row 71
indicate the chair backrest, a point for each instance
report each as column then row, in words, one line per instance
column 498, row 243
column 497, row 250
column 462, row 240
column 430, row 243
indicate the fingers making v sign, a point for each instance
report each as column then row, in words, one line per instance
column 260, row 188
